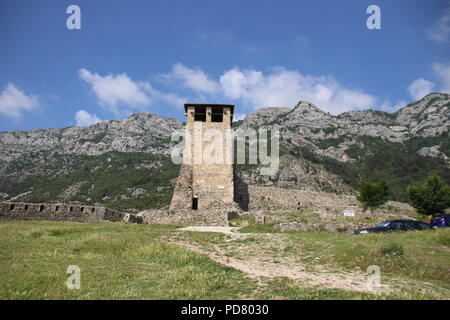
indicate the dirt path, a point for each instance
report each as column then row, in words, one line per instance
column 253, row 255
column 219, row 229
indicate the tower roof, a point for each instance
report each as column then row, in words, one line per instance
column 212, row 105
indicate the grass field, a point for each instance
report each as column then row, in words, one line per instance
column 132, row 261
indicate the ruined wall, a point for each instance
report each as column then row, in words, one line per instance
column 182, row 193
column 326, row 205
column 209, row 218
column 60, row 212
column 241, row 193
column 272, row 199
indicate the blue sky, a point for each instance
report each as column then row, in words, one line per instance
column 153, row 56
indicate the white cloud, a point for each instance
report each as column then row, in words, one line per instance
column 194, row 79
column 13, row 102
column 85, row 119
column 442, row 70
column 285, row 88
column 420, row 88
column 440, row 31
column 279, row 87
column 236, row 83
column 112, row 91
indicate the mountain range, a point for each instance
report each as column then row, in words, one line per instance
column 126, row 165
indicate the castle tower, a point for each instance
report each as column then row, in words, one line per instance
column 206, row 175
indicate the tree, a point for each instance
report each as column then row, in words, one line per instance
column 431, row 196
column 373, row 195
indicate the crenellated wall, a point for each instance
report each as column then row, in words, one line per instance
column 61, row 212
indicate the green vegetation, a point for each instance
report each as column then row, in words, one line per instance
column 117, row 261
column 373, row 195
column 442, row 140
column 108, row 175
column 399, row 164
column 292, row 290
column 431, row 196
column 131, row 261
column 236, row 124
column 418, row 255
column 392, row 248
column 331, row 142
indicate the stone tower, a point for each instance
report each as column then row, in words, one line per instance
column 206, row 176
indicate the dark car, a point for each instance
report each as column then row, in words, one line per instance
column 395, row 225
column 442, row 221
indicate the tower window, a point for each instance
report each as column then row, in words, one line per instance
column 200, row 114
column 217, row 115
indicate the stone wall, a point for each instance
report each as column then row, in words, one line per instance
column 187, row 217
column 273, row 199
column 61, row 212
column 273, row 205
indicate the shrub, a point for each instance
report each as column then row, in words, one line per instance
column 431, row 196
column 392, row 248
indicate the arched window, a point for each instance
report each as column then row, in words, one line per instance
column 41, row 208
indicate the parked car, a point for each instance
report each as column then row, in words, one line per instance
column 395, row 225
column 442, row 221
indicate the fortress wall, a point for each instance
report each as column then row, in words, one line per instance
column 273, row 198
column 208, row 218
column 59, row 212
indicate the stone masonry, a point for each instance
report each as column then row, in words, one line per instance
column 206, row 179
column 61, row 212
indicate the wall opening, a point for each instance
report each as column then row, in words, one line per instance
column 82, row 209
column 217, row 115
column 200, row 114
column 194, row 203
column 71, row 209
column 26, row 207
column 56, row 208
column 11, row 207
column 92, row 210
column 41, row 208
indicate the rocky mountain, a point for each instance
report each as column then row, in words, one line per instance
column 126, row 164
column 332, row 136
column 141, row 132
